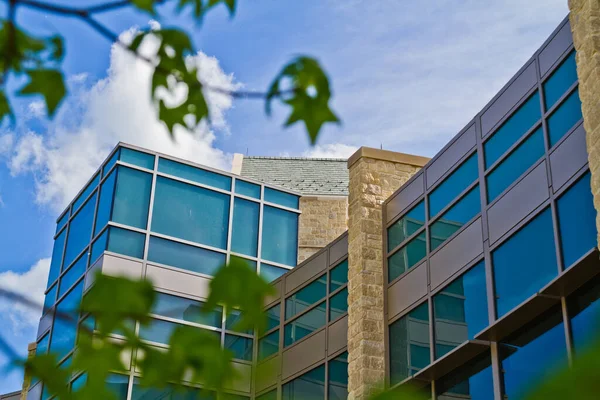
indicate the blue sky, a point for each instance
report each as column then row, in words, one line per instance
column 405, row 75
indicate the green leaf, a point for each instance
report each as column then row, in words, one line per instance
column 137, row 41
column 145, row 5
column 5, row 109
column 200, row 7
column 58, row 51
column 404, row 392
column 49, row 83
column 44, row 367
column 229, row 3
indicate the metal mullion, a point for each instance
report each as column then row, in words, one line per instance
column 308, row 309
column 450, row 171
column 279, row 206
column 407, row 210
column 559, row 102
column 567, row 329
column 407, row 240
column 183, row 322
column 338, row 290
column 452, row 202
column 127, row 227
column 193, row 183
column 243, row 196
column 188, row 242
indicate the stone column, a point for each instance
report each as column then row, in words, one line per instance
column 585, row 25
column 374, row 176
column 31, row 347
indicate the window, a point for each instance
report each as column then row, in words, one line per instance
column 158, row 331
column 338, row 276
column 126, row 242
column 64, row 332
column 409, row 344
column 455, row 218
column 233, row 320
column 305, row 297
column 338, row 305
column 311, row 385
column 577, row 221
column 584, row 311
column 406, row 226
column 305, row 324
column 50, row 298
column 247, row 189
column 520, row 122
column 194, row 174
column 524, row 263
column 98, row 247
column 460, row 310
column 112, row 161
column 75, row 272
column 453, row 185
column 172, row 392
column 565, row 116
column 407, row 257
column 62, row 221
column 86, row 192
column 280, row 236
column 561, row 79
column 57, row 255
column 241, row 347
column 105, row 204
column 80, row 231
column 42, row 345
column 184, row 256
column 337, row 386
column 268, row 345
column 244, row 237
column 118, row 385
column 190, row 212
column 281, row 198
column 473, row 381
column 273, row 318
column 132, row 197
column 138, row 158
column 270, row 272
column 186, row 309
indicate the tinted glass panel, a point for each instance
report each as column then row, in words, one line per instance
column 138, row 158
column 306, row 297
column 64, row 332
column 194, row 174
column 244, row 238
column 126, row 242
column 158, row 331
column 241, row 347
column 191, row 213
column 184, row 256
column 577, row 221
column 132, row 198
column 281, row 198
column 475, row 382
column 249, row 263
column 338, row 305
column 171, row 392
column 460, row 310
column 118, row 384
column 407, row 257
column 86, row 192
column 305, row 324
column 50, row 298
column 80, row 231
column 57, row 254
column 232, row 322
column 338, row 276
column 337, row 386
column 406, row 226
column 273, row 317
column 453, row 219
column 515, row 127
column 112, row 161
column 453, row 185
column 270, row 272
column 524, row 263
column 584, row 311
column 185, row 309
column 268, row 345
column 409, row 344
column 62, row 221
column 105, row 204
column 280, row 236
column 42, row 345
column 560, row 80
column 565, row 116
column 309, row 386
column 73, row 274
column 247, row 189
column 99, row 246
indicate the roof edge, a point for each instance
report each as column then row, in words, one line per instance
column 387, row 155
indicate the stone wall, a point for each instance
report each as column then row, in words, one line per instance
column 323, row 219
column 27, row 379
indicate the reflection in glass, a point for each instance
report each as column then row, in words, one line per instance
column 453, row 185
column 105, row 203
column 268, row 345
column 138, row 158
column 338, row 305
column 270, row 272
column 338, row 276
column 273, row 317
column 62, row 221
column 64, row 332
column 232, row 321
column 311, row 385
column 118, row 384
column 584, row 311
column 86, row 192
column 75, row 272
column 407, row 257
column 453, row 219
column 406, row 226
column 112, row 161
column 158, row 331
column 132, row 197
column 194, row 174
column 184, row 256
column 305, row 324
column 337, row 386
column 186, row 309
column 280, row 236
column 281, row 198
column 565, row 116
column 561, row 79
column 473, row 381
column 124, row 241
column 241, row 347
column 80, row 231
column 247, row 189
column 57, row 255
column 306, row 297
column 244, row 238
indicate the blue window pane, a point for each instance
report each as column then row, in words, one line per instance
column 280, row 236
column 244, row 238
column 191, row 213
column 453, row 219
column 473, row 381
column 194, row 174
column 524, row 156
column 338, row 276
column 409, row 344
column 338, row 305
column 80, row 231
column 524, row 263
column 406, row 226
column 170, row 392
column 577, row 221
column 281, row 198
column 86, row 193
column 460, row 310
column 560, row 80
column 337, row 386
column 273, row 317
column 305, row 324
column 270, row 272
column 309, row 386
column 109, row 164
column 126, row 242
column 98, row 247
column 64, row 332
column 158, row 331
column 305, row 297
column 117, row 385
column 186, row 309
column 75, row 272
column 268, row 345
column 132, row 197
column 584, row 311
column 105, row 204
column 247, row 189
column 50, row 298
column 515, row 127
column 565, row 116
column 138, row 158
column 233, row 320
column 453, row 185
column 407, row 257
column 62, row 221
column 184, row 256
column 241, row 347
column 534, row 357
column 42, row 345
column 57, row 255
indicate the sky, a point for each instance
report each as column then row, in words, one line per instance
column 406, row 76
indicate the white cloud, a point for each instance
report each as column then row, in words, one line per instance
column 117, row 108
column 335, row 150
column 6, row 143
column 36, row 109
column 30, row 284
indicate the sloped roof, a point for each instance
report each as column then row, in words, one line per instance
column 309, row 176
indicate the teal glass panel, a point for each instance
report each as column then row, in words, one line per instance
column 42, row 345
column 584, row 311
column 409, row 345
column 86, row 192
column 50, row 298
column 281, row 198
column 64, row 332
column 244, row 237
column 98, row 247
column 337, row 386
column 520, row 122
column 232, row 321
column 186, row 309
column 524, row 263
column 57, row 255
column 171, row 392
column 105, row 203
column 560, row 80
column 473, row 381
column 272, row 395
column 338, row 305
column 577, row 221
column 305, row 324
column 455, row 218
column 564, row 118
column 126, row 242
column 268, row 345
column 247, row 189
column 62, row 221
column 311, row 385
column 411, row 222
column 191, row 213
column 79, row 383
column 138, row 158
column 194, row 174
column 270, row 272
column 109, row 164
column 273, row 317
column 75, row 272
column 306, row 297
column 184, row 256
column 338, row 276
column 250, row 263
column 241, row 347
column 460, row 310
column 280, row 236
column 80, row 231
column 513, row 166
column 132, row 197
column 117, row 384
column 407, row 257
column 158, row 331
column 453, row 185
